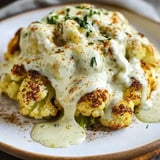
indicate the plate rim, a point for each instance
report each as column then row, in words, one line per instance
column 131, row 153
column 27, row 155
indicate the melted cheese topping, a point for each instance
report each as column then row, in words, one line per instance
column 83, row 48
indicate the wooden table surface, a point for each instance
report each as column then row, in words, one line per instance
column 154, row 155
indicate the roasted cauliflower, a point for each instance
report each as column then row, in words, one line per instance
column 33, row 93
column 121, row 115
column 35, row 96
column 93, row 104
column 80, row 55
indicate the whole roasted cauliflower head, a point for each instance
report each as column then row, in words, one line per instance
column 81, row 56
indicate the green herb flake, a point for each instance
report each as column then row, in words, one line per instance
column 92, row 12
column 85, row 18
column 83, row 23
column 52, row 20
column 68, row 10
column 147, row 126
column 100, row 40
column 109, row 38
column 67, row 17
column 90, row 43
column 67, row 14
column 99, row 13
column 106, row 13
column 82, row 7
column 93, row 61
column 88, row 33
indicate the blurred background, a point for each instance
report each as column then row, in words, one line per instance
column 148, row 8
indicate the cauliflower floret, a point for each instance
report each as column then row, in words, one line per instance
column 8, row 86
column 152, row 81
column 12, row 90
column 121, row 115
column 35, row 96
column 93, row 103
column 5, row 79
column 151, row 76
column 151, row 58
column 135, row 49
column 71, row 33
column 146, row 53
column 13, row 46
column 150, row 64
column 134, row 92
column 85, row 32
column 32, row 91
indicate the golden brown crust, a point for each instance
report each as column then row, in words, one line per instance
column 93, row 103
column 134, row 92
column 96, row 98
column 18, row 69
column 34, row 85
column 121, row 110
column 121, row 115
column 13, row 46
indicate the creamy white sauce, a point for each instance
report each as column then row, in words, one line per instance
column 62, row 133
column 149, row 111
column 66, row 128
column 69, row 66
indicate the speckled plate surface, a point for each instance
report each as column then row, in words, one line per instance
column 15, row 139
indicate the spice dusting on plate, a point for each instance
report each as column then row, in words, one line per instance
column 10, row 114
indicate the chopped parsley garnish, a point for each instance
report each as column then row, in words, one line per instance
column 82, row 7
column 106, row 13
column 101, row 40
column 83, row 23
column 67, row 14
column 93, row 61
column 92, row 23
column 68, row 10
column 92, row 12
column 90, row 43
column 85, row 18
column 109, row 38
column 52, row 20
column 88, row 33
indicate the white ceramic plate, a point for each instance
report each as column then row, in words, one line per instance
column 15, row 139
